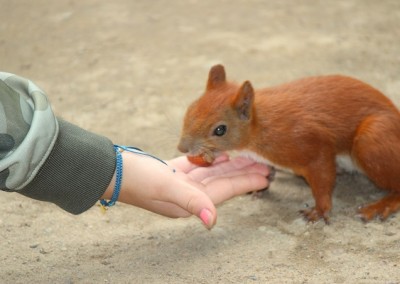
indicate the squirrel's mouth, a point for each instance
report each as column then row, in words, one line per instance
column 203, row 159
column 198, row 153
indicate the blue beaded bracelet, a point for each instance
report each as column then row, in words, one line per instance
column 118, row 180
column 118, row 176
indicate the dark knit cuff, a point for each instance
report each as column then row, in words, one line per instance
column 77, row 172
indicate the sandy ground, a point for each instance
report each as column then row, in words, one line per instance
column 127, row 70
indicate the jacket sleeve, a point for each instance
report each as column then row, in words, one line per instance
column 45, row 157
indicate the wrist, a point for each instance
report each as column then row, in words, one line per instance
column 128, row 158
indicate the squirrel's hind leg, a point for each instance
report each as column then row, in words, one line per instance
column 376, row 149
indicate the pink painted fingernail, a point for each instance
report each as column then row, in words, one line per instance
column 206, row 217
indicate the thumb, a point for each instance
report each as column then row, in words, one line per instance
column 208, row 218
column 193, row 200
column 200, row 204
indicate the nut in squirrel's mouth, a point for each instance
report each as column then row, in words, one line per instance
column 204, row 159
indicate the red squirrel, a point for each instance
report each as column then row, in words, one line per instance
column 307, row 126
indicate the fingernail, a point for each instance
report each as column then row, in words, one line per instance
column 206, row 217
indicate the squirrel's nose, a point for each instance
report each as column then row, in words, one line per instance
column 183, row 145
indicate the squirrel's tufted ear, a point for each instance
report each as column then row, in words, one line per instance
column 216, row 76
column 243, row 101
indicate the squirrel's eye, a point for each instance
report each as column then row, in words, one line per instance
column 220, row 130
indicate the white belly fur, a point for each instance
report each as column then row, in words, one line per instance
column 343, row 162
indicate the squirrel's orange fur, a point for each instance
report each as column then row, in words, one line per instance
column 303, row 125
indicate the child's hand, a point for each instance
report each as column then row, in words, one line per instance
column 151, row 185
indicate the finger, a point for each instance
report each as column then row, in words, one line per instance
column 183, row 164
column 166, row 209
column 233, row 165
column 222, row 157
column 225, row 188
column 255, row 168
column 192, row 199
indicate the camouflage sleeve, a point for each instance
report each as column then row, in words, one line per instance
column 47, row 158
